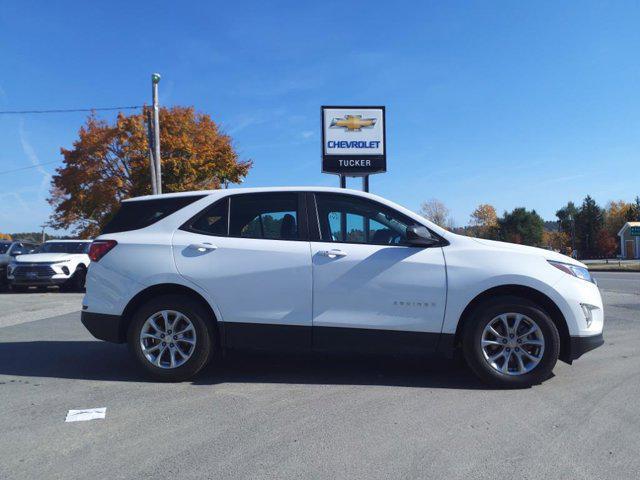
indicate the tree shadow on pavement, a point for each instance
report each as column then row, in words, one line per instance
column 101, row 361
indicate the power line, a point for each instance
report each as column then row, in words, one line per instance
column 30, row 166
column 71, row 110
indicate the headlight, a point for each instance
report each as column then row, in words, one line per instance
column 574, row 270
column 62, row 266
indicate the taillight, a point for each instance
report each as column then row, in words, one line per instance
column 100, row 248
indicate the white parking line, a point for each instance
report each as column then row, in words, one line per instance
column 86, row 414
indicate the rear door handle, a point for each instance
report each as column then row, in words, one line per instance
column 335, row 253
column 203, row 247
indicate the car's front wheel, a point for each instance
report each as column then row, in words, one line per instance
column 170, row 337
column 510, row 341
column 77, row 281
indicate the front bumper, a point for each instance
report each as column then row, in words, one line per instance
column 109, row 328
column 37, row 281
column 578, row 346
column 26, row 274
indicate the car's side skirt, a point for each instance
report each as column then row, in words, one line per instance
column 275, row 337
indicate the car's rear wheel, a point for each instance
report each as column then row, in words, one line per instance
column 511, row 341
column 171, row 337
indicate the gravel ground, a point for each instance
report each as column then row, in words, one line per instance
column 18, row 308
column 293, row 417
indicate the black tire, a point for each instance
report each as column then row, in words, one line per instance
column 472, row 342
column 205, row 336
column 76, row 282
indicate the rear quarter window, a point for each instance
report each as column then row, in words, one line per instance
column 138, row 214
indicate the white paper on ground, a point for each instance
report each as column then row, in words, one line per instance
column 86, row 414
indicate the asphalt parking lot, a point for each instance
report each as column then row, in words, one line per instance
column 282, row 417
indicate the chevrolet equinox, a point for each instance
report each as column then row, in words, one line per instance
column 181, row 276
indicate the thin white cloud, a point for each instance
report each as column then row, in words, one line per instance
column 566, row 178
column 30, row 152
column 256, row 117
column 243, row 121
column 17, row 197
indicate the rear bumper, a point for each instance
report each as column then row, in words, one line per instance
column 105, row 327
column 578, row 346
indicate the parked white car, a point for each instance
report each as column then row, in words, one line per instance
column 55, row 262
column 180, row 276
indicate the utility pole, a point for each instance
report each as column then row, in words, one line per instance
column 152, row 160
column 43, row 235
column 155, row 79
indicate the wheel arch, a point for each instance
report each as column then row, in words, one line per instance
column 536, row 296
column 162, row 289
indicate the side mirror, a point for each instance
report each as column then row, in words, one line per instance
column 420, row 237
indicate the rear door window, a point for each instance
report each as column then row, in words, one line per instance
column 265, row 215
column 213, row 220
column 138, row 214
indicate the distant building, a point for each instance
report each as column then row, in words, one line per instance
column 630, row 240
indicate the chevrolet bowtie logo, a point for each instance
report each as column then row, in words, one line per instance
column 353, row 123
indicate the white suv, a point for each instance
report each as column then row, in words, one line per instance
column 180, row 276
column 55, row 262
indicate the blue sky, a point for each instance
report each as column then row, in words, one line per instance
column 508, row 103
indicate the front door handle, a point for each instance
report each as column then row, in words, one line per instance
column 203, row 247
column 335, row 253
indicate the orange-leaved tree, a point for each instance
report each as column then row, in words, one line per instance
column 484, row 221
column 110, row 162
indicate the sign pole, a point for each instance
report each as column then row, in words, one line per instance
column 365, row 183
column 343, row 181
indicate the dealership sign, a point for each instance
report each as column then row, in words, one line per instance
column 353, row 140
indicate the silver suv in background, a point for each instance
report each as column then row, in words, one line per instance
column 8, row 251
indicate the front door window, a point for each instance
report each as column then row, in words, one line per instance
column 350, row 219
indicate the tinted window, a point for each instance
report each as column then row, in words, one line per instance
column 213, row 220
column 30, row 247
column 142, row 213
column 4, row 247
column 344, row 218
column 64, row 247
column 271, row 216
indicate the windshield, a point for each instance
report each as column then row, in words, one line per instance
column 64, row 247
column 4, row 247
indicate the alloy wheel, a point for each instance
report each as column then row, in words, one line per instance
column 168, row 339
column 512, row 344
